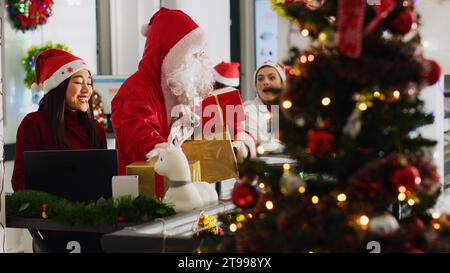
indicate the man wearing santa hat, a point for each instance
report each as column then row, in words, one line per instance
column 173, row 75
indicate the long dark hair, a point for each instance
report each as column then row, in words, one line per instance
column 53, row 106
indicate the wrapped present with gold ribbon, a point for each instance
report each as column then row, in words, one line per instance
column 217, row 159
column 152, row 184
column 222, row 111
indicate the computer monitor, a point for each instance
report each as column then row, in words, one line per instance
column 77, row 175
column 107, row 87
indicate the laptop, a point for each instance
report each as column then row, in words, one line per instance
column 77, row 175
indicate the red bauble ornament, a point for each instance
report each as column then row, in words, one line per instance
column 319, row 142
column 406, row 176
column 402, row 24
column 433, row 72
column 244, row 196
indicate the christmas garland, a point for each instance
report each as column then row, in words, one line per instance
column 104, row 212
column 29, row 14
column 28, row 61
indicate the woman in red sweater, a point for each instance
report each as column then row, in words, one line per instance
column 64, row 120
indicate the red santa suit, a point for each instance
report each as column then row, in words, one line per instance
column 141, row 109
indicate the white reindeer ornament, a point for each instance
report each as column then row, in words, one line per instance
column 184, row 194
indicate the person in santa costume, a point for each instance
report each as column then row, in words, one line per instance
column 64, row 121
column 173, row 76
column 227, row 77
column 269, row 79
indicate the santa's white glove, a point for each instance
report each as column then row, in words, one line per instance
column 157, row 150
column 242, row 150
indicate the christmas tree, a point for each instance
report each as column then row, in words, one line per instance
column 362, row 179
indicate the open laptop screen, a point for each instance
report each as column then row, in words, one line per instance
column 77, row 175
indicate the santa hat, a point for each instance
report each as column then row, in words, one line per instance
column 227, row 73
column 184, row 38
column 278, row 67
column 53, row 66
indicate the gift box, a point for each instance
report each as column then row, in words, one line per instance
column 222, row 110
column 152, row 184
column 216, row 157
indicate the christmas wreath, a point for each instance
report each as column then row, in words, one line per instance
column 28, row 61
column 29, row 14
column 103, row 212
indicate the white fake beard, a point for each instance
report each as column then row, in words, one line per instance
column 193, row 78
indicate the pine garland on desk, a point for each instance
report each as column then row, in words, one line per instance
column 104, row 212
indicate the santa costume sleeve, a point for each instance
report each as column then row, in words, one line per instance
column 137, row 127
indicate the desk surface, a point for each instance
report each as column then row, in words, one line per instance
column 171, row 234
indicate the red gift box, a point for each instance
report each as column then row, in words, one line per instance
column 222, row 110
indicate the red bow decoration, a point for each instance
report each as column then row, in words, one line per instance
column 382, row 11
column 350, row 23
column 351, row 14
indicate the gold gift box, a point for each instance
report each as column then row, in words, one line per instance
column 217, row 159
column 146, row 173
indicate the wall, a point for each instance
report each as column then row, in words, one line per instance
column 434, row 29
column 127, row 42
column 2, row 181
column 214, row 18
column 127, row 18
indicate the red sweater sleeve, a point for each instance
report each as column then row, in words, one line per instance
column 101, row 135
column 27, row 139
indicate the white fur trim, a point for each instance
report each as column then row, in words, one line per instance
column 225, row 81
column 62, row 74
column 191, row 43
column 188, row 45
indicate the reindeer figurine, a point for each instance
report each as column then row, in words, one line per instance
column 172, row 163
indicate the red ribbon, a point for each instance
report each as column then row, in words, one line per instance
column 351, row 14
column 382, row 11
column 350, row 17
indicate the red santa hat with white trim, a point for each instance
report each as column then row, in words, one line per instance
column 227, row 73
column 53, row 66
